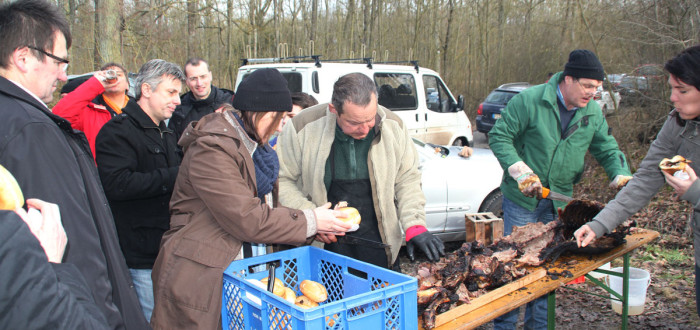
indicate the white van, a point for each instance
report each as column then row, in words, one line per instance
column 417, row 95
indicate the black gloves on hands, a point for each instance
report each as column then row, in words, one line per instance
column 429, row 244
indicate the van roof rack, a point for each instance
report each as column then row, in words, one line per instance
column 317, row 60
column 294, row 59
column 414, row 63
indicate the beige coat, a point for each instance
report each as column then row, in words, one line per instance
column 213, row 210
column 303, row 149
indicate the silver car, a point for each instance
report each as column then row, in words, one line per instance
column 454, row 186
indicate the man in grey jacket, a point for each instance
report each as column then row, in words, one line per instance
column 356, row 151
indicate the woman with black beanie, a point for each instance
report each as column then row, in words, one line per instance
column 223, row 198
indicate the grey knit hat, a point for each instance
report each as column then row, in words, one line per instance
column 584, row 64
column 263, row 90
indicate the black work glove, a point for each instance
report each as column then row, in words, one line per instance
column 429, row 244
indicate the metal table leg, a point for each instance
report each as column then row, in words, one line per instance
column 625, row 289
column 551, row 306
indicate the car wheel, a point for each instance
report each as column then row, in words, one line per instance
column 493, row 203
column 459, row 142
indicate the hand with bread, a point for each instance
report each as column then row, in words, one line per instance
column 329, row 221
column 680, row 184
column 528, row 182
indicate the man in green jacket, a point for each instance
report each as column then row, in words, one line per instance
column 356, row 151
column 541, row 141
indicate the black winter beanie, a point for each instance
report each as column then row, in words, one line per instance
column 584, row 64
column 263, row 90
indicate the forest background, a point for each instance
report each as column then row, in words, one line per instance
column 475, row 45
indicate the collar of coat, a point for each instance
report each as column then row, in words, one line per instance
column 13, row 91
column 247, row 141
column 134, row 110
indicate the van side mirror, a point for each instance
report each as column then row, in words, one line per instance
column 459, row 106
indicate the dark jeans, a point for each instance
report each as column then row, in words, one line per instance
column 516, row 215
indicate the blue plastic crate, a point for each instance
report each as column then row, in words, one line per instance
column 360, row 295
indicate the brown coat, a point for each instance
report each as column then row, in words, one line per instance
column 213, row 210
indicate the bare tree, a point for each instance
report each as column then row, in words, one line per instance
column 108, row 18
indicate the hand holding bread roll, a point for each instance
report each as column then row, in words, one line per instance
column 673, row 165
column 353, row 217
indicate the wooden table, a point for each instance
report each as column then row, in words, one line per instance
column 547, row 285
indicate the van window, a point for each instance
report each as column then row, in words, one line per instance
column 293, row 81
column 396, row 91
column 436, row 97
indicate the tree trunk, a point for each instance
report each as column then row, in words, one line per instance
column 191, row 27
column 108, row 19
column 446, row 44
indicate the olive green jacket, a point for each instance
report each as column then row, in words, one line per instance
column 530, row 130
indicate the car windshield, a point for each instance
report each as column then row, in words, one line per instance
column 499, row 97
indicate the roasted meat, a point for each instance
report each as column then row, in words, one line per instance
column 473, row 269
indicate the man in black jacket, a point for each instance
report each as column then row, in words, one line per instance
column 51, row 161
column 201, row 100
column 138, row 160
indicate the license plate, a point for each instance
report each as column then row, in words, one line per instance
column 496, row 115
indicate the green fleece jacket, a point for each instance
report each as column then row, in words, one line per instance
column 530, row 130
column 303, row 148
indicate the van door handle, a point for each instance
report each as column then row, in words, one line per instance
column 426, row 117
column 416, row 117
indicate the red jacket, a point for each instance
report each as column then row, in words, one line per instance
column 85, row 109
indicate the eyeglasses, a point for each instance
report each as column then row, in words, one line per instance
column 62, row 62
column 589, row 88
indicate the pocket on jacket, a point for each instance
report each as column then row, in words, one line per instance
column 195, row 274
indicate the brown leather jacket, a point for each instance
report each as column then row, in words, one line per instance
column 213, row 210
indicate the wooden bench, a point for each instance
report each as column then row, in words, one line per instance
column 483, row 227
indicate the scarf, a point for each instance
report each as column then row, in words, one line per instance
column 267, row 167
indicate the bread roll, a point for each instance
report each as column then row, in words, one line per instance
column 314, row 290
column 289, row 295
column 673, row 165
column 278, row 288
column 305, row 302
column 353, row 215
column 11, row 196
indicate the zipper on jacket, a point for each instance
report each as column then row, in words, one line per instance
column 573, row 128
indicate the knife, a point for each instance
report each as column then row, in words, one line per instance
column 353, row 240
column 555, row 196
